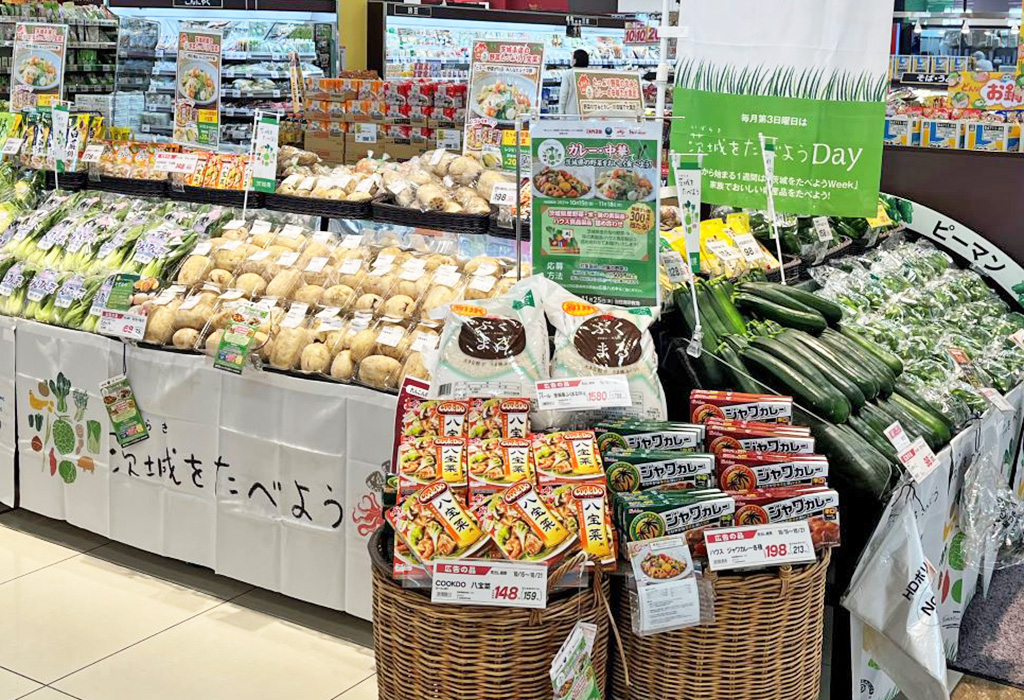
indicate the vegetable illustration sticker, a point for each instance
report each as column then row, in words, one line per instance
column 119, row 400
column 62, row 435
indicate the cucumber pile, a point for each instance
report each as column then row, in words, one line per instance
column 761, row 336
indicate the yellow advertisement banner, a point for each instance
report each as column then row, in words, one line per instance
column 985, row 91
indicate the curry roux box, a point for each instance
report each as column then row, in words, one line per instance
column 684, row 515
column 757, row 440
column 642, row 470
column 731, row 404
column 738, row 470
column 649, row 435
column 819, row 506
column 773, row 428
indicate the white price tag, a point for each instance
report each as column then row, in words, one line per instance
column 822, row 228
column 167, row 162
column 437, row 156
column 230, row 244
column 722, row 250
column 365, row 185
column 483, row 283
column 447, row 278
column 397, row 187
column 93, row 153
column 261, row 226
column 366, row 133
column 584, row 392
column 190, row 303
column 384, row 260
column 425, row 341
column 498, row 583
column 259, row 255
column 411, row 273
column 674, row 267
column 202, row 249
column 390, row 336
column 122, row 324
column 287, row 259
column 12, row 146
column 352, row 241
column 759, row 545
column 233, row 224
column 504, row 194
column 317, row 265
column 351, row 267
column 897, row 436
column 232, row 295
column 328, row 312
column 748, row 246
column 1018, row 338
column 918, row 459
column 322, row 236
column 997, row 400
column 450, row 139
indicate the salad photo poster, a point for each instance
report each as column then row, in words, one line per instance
column 197, row 89
column 37, row 66
column 595, row 209
column 504, row 83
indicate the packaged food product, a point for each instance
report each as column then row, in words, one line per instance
column 739, row 470
column 422, row 461
column 433, row 523
column 586, row 510
column 655, row 514
column 425, row 418
column 819, row 506
column 643, row 470
column 774, row 428
column 767, row 408
column 595, row 340
column 498, row 417
column 493, row 346
column 499, row 462
column 722, row 437
column 567, row 455
column 649, row 435
column 524, row 527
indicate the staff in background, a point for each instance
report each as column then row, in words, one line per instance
column 567, row 103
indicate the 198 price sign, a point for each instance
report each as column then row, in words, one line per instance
column 759, row 545
column 486, row 582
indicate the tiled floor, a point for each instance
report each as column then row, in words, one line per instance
column 82, row 617
column 88, row 619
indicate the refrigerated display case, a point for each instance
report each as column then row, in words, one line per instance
column 257, row 48
column 434, row 41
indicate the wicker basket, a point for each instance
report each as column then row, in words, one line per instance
column 319, row 207
column 385, row 211
column 206, row 195
column 126, row 185
column 69, row 182
column 765, row 643
column 425, row 651
column 793, row 266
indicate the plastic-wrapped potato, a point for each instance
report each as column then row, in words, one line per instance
column 339, row 295
column 436, row 260
column 262, row 345
column 431, row 197
column 359, row 197
column 379, row 371
column 368, row 302
column 405, row 198
column 292, row 243
column 194, row 317
column 504, row 284
column 219, row 277
column 342, row 368
column 314, row 249
column 464, row 194
column 480, row 287
column 315, row 358
column 229, row 258
column 465, row 170
column 185, row 338
column 436, row 297
column 251, row 284
column 419, row 177
column 414, row 367
column 453, row 208
column 194, row 270
column 378, row 284
column 309, row 294
column 477, row 205
column 236, row 234
column 363, row 344
column 399, row 306
column 412, row 288
column 392, row 341
column 353, row 280
column 288, row 347
column 213, row 341
column 491, row 265
column 159, row 325
column 488, row 179
column 276, row 249
column 262, row 240
column 440, row 168
column 284, row 283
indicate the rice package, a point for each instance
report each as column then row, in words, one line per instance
column 492, row 347
column 599, row 339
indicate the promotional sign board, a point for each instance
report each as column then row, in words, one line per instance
column 37, row 65
column 607, row 93
column 808, row 76
column 984, row 91
column 595, row 208
column 197, row 89
column 504, row 84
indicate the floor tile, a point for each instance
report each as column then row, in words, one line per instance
column 332, row 622
column 977, row 689
column 61, row 618
column 21, row 554
column 367, row 690
column 228, row 653
column 56, row 531
column 189, row 575
column 47, row 693
column 14, row 686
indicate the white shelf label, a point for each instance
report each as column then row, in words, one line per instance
column 93, row 153
column 583, row 392
column 12, row 146
column 759, row 545
column 748, row 246
column 897, row 436
column 122, row 324
column 674, row 267
column 822, row 228
column 997, row 400
column 366, row 133
column 496, row 583
column 167, row 162
column 918, row 459
column 504, row 194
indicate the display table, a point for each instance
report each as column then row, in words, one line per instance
column 266, row 478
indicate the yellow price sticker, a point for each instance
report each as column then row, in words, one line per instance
column 640, row 218
column 508, row 138
column 46, row 100
column 881, row 219
column 207, row 116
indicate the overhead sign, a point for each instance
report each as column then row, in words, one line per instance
column 809, row 76
column 641, row 34
column 199, row 4
column 984, row 91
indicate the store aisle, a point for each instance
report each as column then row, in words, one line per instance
column 82, row 617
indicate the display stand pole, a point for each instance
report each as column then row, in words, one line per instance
column 695, row 346
column 661, row 79
column 768, row 157
column 247, row 178
column 519, row 213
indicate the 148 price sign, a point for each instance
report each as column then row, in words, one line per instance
column 487, row 582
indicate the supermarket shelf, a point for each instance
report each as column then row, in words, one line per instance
column 227, row 55
column 92, row 44
column 69, row 22
column 89, row 88
column 152, row 129
column 158, row 110
column 90, row 68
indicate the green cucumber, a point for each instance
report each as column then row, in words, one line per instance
column 864, row 380
column 856, row 469
column 891, row 361
column 935, row 426
column 774, row 293
column 845, row 347
column 734, row 367
column 909, row 421
column 706, row 367
column 874, row 438
column 889, row 415
column 835, row 377
column 780, row 351
column 708, row 316
column 727, row 311
column 787, row 380
column 875, row 418
column 923, row 403
column 832, row 312
column 791, row 318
